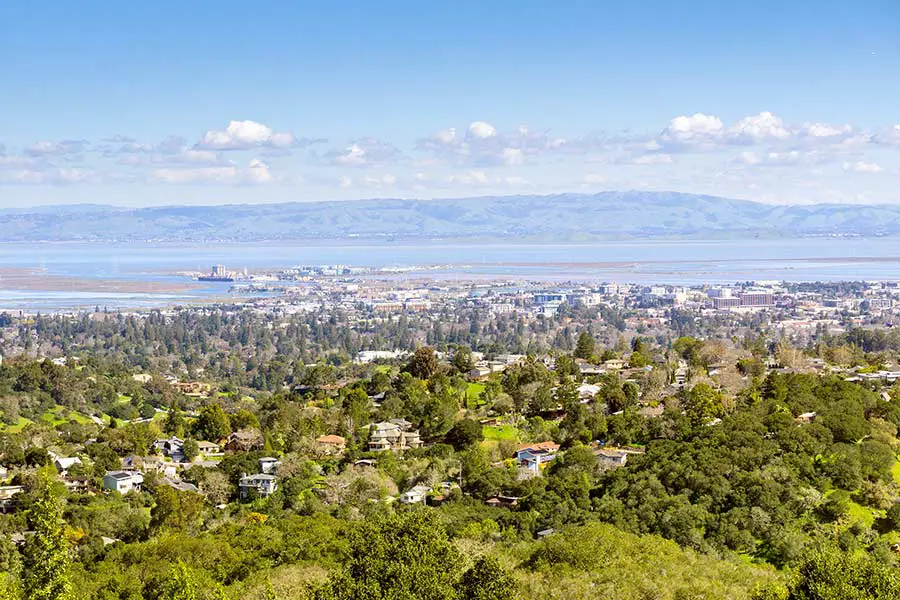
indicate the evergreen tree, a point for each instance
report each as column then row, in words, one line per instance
column 487, row 580
column 584, row 348
column 47, row 555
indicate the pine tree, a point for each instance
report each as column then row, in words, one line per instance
column 47, row 556
column 584, row 348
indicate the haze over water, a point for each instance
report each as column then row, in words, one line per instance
column 84, row 266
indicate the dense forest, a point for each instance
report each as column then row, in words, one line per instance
column 759, row 476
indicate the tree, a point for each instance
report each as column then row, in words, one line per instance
column 37, row 457
column 487, row 580
column 190, row 449
column 464, row 434
column 833, row 575
column 702, row 404
column 212, row 423
column 47, row 555
column 584, row 347
column 462, row 359
column 174, row 423
column 404, row 555
column 180, row 584
column 423, row 363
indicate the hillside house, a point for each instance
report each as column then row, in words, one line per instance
column 172, row 447
column 611, row 458
column 268, row 464
column 331, row 444
column 393, row 435
column 532, row 457
column 123, row 481
column 416, row 494
column 7, row 497
column 207, row 448
column 262, row 485
column 64, row 463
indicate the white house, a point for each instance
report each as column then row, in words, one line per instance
column 64, row 463
column 416, row 494
column 268, row 464
column 123, row 481
column 261, row 484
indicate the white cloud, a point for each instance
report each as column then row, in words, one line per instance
column 60, row 148
column 244, row 135
column 696, row 127
column 759, row 128
column 345, row 182
column 482, row 130
column 862, row 166
column 513, row 156
column 446, row 136
column 50, row 176
column 593, row 179
column 257, row 172
column 354, row 155
column 197, row 175
column 825, row 130
column 365, row 152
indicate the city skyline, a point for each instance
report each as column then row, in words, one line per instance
column 174, row 104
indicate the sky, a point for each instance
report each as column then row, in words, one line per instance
column 215, row 102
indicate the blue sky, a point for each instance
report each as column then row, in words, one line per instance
column 220, row 101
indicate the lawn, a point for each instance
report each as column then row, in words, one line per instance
column 499, row 433
column 15, row 428
column 474, row 390
column 895, row 471
column 858, row 512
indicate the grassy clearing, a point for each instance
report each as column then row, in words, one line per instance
column 895, row 471
column 474, row 390
column 499, row 433
column 858, row 512
column 17, row 427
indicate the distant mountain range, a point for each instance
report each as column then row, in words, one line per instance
column 561, row 217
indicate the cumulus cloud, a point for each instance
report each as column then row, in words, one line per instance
column 481, row 130
column 697, row 127
column 826, row 130
column 862, row 166
column 245, row 135
column 759, row 128
column 484, row 146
